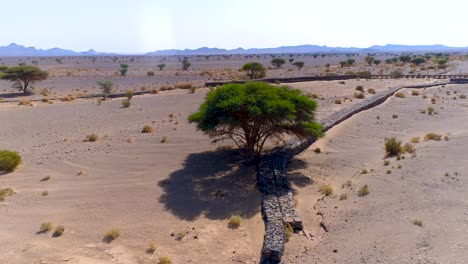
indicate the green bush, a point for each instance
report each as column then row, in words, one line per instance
column 126, row 103
column 393, row 146
column 9, row 160
column 234, row 221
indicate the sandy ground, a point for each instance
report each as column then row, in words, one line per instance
column 152, row 191
column 378, row 228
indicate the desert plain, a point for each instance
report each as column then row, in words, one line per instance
column 175, row 189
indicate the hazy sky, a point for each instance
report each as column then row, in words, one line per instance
column 146, row 25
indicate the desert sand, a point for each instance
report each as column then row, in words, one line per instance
column 156, row 190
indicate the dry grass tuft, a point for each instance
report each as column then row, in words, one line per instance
column 432, row 136
column 92, row 138
column 363, row 191
column 111, row 235
column 164, row 260
column 326, row 190
column 147, row 129
column 234, row 221
column 45, row 227
column 4, row 193
column 400, row 95
column 59, row 231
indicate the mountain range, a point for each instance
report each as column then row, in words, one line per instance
column 15, row 50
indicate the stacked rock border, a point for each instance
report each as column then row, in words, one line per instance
column 278, row 208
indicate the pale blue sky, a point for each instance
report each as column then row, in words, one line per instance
column 136, row 26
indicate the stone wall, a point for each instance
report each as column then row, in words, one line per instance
column 278, row 207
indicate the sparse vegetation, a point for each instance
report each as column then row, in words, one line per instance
column 147, row 129
column 92, row 138
column 59, row 231
column 151, row 248
column 45, row 227
column 46, row 178
column 9, row 160
column 164, row 260
column 432, row 136
column 337, row 101
column 363, row 191
column 326, row 190
column 106, row 86
column 126, row 103
column 359, row 95
column 371, row 91
column 6, row 192
column 111, row 235
column 400, row 95
column 393, row 147
column 417, row 222
column 234, row 221
column 288, row 232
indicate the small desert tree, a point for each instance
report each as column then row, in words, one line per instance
column 106, row 87
column 299, row 64
column 254, row 70
column 369, row 60
column 23, row 76
column 185, row 64
column 123, row 69
column 161, row 66
column 418, row 60
column 251, row 113
column 278, row 62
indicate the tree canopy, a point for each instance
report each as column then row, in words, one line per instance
column 23, row 76
column 251, row 113
column 254, row 70
column 278, row 62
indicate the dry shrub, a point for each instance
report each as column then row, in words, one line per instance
column 147, row 129
column 111, row 235
column 371, row 91
column 59, row 231
column 414, row 93
column 92, row 138
column 337, row 101
column 400, row 95
column 432, row 136
column 5, row 193
column 164, row 260
column 363, row 191
column 326, row 190
column 234, row 221
column 45, row 227
column 183, row 86
column 25, row 102
column 359, row 95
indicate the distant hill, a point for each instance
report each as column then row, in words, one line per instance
column 18, row 50
column 14, row 50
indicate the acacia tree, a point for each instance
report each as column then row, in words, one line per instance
column 161, row 66
column 106, row 87
column 299, row 64
column 185, row 64
column 23, row 76
column 123, row 69
column 278, row 62
column 254, row 70
column 249, row 114
column 369, row 60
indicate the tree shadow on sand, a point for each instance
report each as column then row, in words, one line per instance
column 13, row 95
column 297, row 179
column 216, row 184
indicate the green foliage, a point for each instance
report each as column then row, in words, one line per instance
column 9, row 160
column 393, row 146
column 350, row 62
column 23, row 76
column 299, row 64
column 126, row 103
column 123, row 69
column 253, row 112
column 129, row 94
column 185, row 64
column 377, row 62
column 418, row 60
column 106, row 86
column 278, row 62
column 254, row 70
column 161, row 66
column 369, row 60
column 397, row 73
column 405, row 58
